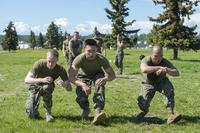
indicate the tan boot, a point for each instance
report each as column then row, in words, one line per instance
column 49, row 117
column 172, row 118
column 99, row 116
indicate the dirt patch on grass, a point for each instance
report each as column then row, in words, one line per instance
column 131, row 77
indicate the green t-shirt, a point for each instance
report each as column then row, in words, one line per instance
column 76, row 46
column 65, row 43
column 152, row 77
column 89, row 68
column 40, row 70
column 99, row 42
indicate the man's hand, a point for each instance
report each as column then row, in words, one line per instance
column 65, row 84
column 101, row 81
column 47, row 80
column 161, row 70
column 86, row 89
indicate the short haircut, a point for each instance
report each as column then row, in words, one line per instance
column 76, row 32
column 53, row 52
column 90, row 42
column 157, row 48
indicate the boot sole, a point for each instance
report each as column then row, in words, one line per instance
column 101, row 117
column 176, row 119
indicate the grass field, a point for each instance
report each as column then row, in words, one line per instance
column 121, row 95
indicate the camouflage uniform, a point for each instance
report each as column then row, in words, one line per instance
column 89, row 72
column 66, row 50
column 99, row 42
column 153, row 83
column 40, row 70
column 76, row 49
column 119, row 59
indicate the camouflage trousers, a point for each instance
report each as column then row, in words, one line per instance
column 119, row 61
column 148, row 91
column 66, row 55
column 33, row 98
column 70, row 60
column 99, row 93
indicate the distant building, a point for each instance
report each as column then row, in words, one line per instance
column 23, row 45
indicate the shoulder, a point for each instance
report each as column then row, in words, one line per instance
column 71, row 40
column 80, row 41
column 146, row 60
column 41, row 62
column 80, row 57
column 166, row 61
column 100, row 57
column 59, row 67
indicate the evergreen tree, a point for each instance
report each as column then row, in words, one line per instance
column 61, row 39
column 171, row 31
column 32, row 40
column 10, row 41
column 52, row 36
column 40, row 40
column 117, row 16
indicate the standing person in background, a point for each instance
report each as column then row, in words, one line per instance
column 120, row 54
column 100, row 46
column 65, row 47
column 154, row 69
column 75, row 48
column 41, row 83
column 87, row 68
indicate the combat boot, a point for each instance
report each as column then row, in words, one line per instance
column 49, row 117
column 99, row 116
column 172, row 118
column 85, row 113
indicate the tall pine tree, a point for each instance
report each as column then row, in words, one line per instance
column 52, row 36
column 117, row 16
column 40, row 40
column 10, row 41
column 32, row 40
column 170, row 30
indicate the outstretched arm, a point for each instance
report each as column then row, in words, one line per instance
column 72, row 77
column 110, row 76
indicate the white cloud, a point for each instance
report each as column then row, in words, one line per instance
column 61, row 22
column 83, row 28
column 21, row 27
column 144, row 26
column 36, row 29
column 88, row 27
column 194, row 20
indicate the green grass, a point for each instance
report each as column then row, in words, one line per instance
column 121, row 95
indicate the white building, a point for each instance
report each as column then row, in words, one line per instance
column 23, row 45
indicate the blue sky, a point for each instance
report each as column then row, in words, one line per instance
column 76, row 15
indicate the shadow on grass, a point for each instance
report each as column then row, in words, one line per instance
column 69, row 118
column 188, row 60
column 114, row 119
column 190, row 119
column 125, row 119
